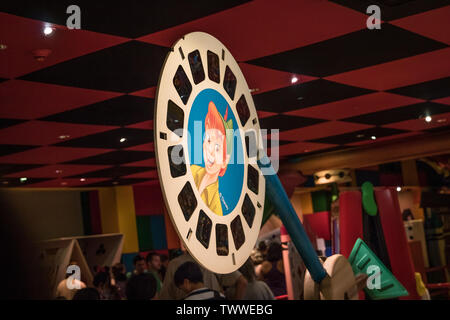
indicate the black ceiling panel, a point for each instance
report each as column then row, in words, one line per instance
column 305, row 95
column 284, row 122
column 429, row 90
column 131, row 18
column 415, row 111
column 4, row 123
column 115, row 157
column 127, row 67
column 121, row 111
column 6, row 149
column 360, row 135
column 15, row 182
column 351, row 51
column 117, row 182
column 393, row 9
column 8, row 168
column 111, row 139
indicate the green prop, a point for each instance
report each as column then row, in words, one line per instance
column 363, row 260
column 368, row 199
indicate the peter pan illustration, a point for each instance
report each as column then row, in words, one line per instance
column 217, row 147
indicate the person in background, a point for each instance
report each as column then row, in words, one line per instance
column 69, row 286
column 141, row 287
column 164, row 264
column 218, row 283
column 102, row 282
column 119, row 279
column 87, row 294
column 272, row 270
column 154, row 267
column 140, row 266
column 189, row 278
column 256, row 289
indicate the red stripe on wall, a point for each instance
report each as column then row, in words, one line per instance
column 96, row 221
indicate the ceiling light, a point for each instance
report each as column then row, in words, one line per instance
column 441, row 120
column 123, row 139
column 294, row 79
column 5, row 182
column 3, row 46
column 48, row 30
column 254, row 90
column 63, row 183
column 428, row 119
column 58, row 171
column 360, row 136
column 115, row 182
column 373, row 138
column 399, row 189
column 64, row 136
column 23, row 179
column 82, row 179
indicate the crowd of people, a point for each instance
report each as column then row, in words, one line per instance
column 155, row 277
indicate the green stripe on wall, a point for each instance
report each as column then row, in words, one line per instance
column 144, row 233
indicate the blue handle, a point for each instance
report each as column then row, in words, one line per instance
column 283, row 206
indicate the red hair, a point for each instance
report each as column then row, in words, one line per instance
column 213, row 120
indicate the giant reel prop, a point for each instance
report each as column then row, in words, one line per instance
column 202, row 96
column 200, row 70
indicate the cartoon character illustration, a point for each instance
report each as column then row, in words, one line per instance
column 217, row 148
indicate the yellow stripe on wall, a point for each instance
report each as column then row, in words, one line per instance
column 108, row 210
column 127, row 218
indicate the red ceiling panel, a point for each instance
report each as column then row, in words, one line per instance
column 152, row 174
column 142, row 125
column 51, row 155
column 420, row 68
column 346, row 108
column 438, row 120
column 146, row 93
column 302, row 147
column 265, row 79
column 443, row 100
column 143, row 163
column 30, row 100
column 433, row 24
column 259, row 28
column 45, row 132
column 143, row 147
column 65, row 44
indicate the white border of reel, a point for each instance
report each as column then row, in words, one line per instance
column 165, row 138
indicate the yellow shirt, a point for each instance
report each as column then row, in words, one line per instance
column 210, row 194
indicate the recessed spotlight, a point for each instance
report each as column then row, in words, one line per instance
column 373, row 138
column 58, row 171
column 3, row 46
column 64, row 136
column 82, row 179
column 5, row 182
column 115, row 182
column 441, row 120
column 294, row 79
column 48, row 30
column 360, row 136
column 427, row 119
column 23, row 179
column 123, row 140
column 399, row 189
column 254, row 90
column 63, row 183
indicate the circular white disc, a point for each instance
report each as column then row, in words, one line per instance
column 219, row 226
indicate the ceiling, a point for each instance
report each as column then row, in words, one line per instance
column 62, row 119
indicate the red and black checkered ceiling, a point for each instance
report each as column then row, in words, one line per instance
column 62, row 119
